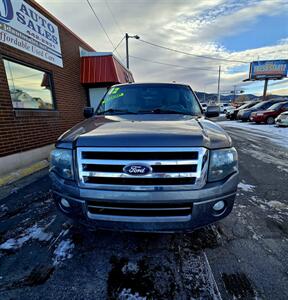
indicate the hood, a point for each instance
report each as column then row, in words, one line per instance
column 157, row 130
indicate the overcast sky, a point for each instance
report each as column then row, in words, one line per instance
column 240, row 30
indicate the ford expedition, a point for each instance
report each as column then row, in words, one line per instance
column 146, row 160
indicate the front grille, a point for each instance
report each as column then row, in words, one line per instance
column 140, row 155
column 139, row 181
column 170, row 167
column 138, row 210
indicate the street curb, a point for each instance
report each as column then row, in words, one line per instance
column 19, row 174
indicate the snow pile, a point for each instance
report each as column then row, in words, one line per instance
column 277, row 205
column 126, row 294
column 246, row 187
column 3, row 210
column 130, row 268
column 275, row 134
column 35, row 233
column 63, row 251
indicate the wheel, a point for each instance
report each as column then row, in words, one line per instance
column 270, row 120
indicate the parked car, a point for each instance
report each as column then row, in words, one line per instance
column 244, row 114
column 230, row 109
column 282, row 119
column 146, row 161
column 268, row 116
column 224, row 107
column 215, row 109
column 232, row 115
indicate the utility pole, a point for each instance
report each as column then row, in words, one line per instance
column 127, row 50
column 265, row 89
column 234, row 93
column 219, row 75
column 127, row 36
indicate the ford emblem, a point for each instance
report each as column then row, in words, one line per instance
column 137, row 169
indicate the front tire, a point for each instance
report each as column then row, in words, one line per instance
column 270, row 120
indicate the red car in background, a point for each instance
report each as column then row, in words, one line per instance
column 268, row 116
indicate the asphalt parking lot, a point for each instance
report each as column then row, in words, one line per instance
column 245, row 256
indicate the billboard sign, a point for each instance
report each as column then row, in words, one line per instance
column 24, row 28
column 268, row 69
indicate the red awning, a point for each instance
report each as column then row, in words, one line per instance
column 97, row 69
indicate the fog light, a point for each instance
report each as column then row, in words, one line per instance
column 218, row 206
column 65, row 203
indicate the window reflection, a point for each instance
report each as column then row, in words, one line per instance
column 29, row 88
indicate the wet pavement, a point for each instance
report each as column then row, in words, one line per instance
column 245, row 256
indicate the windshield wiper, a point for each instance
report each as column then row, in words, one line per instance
column 117, row 112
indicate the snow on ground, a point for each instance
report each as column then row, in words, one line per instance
column 63, row 251
column 126, row 294
column 246, row 187
column 130, row 268
column 3, row 210
column 34, row 232
column 275, row 134
column 278, row 205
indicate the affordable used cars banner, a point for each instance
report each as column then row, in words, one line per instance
column 23, row 27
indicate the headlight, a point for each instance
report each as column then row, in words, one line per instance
column 61, row 162
column 222, row 163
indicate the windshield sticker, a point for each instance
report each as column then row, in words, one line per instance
column 113, row 91
column 112, row 97
column 113, row 94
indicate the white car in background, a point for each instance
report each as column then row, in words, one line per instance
column 282, row 119
column 225, row 107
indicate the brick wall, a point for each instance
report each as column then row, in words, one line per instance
column 24, row 130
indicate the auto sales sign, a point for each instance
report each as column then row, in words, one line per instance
column 24, row 28
column 268, row 69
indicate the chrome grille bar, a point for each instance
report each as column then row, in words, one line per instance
column 124, row 175
column 150, row 162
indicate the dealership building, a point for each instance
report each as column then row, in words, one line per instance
column 47, row 76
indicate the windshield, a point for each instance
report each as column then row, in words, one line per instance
column 276, row 106
column 244, row 106
column 263, row 105
column 247, row 105
column 149, row 98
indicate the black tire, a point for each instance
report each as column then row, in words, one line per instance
column 270, row 120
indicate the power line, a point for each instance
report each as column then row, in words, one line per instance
column 172, row 65
column 119, row 43
column 91, row 7
column 190, row 54
column 120, row 29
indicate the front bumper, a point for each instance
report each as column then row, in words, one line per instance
column 201, row 203
column 257, row 119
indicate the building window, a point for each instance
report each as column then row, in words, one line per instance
column 29, row 87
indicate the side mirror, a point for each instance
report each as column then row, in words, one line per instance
column 88, row 112
column 212, row 111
